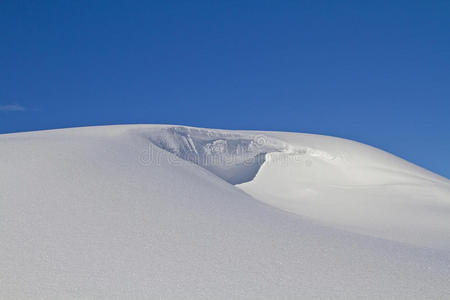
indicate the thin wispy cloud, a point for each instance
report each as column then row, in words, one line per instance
column 12, row 107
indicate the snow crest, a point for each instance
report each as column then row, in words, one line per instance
column 234, row 157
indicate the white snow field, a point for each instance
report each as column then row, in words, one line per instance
column 173, row 212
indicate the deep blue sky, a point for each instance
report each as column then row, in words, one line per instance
column 374, row 71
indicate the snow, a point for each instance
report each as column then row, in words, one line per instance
column 235, row 158
column 159, row 211
column 357, row 188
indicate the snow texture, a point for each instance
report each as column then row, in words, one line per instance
column 173, row 212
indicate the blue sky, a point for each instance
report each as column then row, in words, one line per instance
column 373, row 71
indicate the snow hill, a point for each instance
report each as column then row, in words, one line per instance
column 170, row 212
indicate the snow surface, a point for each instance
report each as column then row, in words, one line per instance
column 170, row 212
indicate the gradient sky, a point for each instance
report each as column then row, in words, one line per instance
column 374, row 71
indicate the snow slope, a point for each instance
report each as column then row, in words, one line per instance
column 158, row 211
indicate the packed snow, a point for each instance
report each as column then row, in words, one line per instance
column 175, row 212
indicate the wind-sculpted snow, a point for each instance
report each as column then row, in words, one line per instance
column 357, row 188
column 140, row 212
column 233, row 157
column 352, row 186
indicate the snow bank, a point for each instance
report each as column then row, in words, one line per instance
column 124, row 212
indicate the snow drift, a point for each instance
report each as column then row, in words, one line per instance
column 156, row 211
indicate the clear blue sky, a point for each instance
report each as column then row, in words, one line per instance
column 373, row 71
